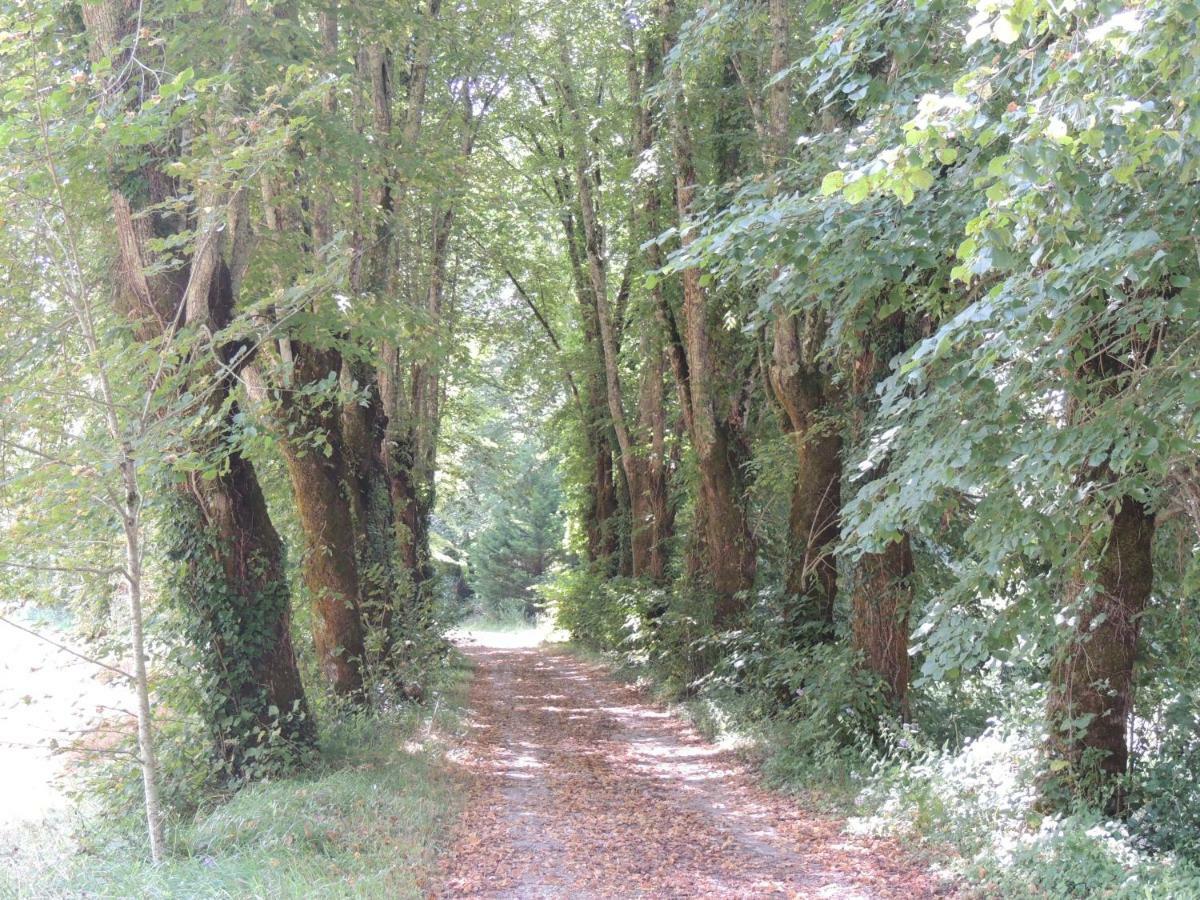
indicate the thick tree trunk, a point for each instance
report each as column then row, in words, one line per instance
column 1091, row 681
column 363, row 428
column 730, row 553
column 1090, row 700
column 813, row 524
column 309, row 421
column 881, row 597
column 232, row 583
column 322, row 503
column 651, row 517
column 881, row 588
column 802, row 393
column 729, row 544
column 246, row 620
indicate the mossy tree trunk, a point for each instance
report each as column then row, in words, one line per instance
column 314, row 451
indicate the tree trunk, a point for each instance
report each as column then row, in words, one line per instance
column 601, row 513
column 232, row 586
column 652, row 519
column 730, row 553
column 801, row 392
column 881, row 589
column 412, row 537
column 322, row 504
column 363, row 428
column 399, row 562
column 881, row 597
column 131, row 516
column 1091, row 681
column 244, row 619
column 729, row 545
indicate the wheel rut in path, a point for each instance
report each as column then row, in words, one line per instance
column 580, row 787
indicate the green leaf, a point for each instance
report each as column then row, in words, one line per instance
column 856, row 191
column 921, row 179
column 832, row 183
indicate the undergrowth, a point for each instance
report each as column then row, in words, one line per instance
column 365, row 822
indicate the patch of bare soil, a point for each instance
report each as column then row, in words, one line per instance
column 582, row 788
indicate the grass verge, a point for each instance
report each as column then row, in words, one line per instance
column 368, row 822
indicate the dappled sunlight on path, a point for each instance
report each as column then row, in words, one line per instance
column 580, row 788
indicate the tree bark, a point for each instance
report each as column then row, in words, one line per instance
column 801, row 391
column 729, row 544
column 1091, row 682
column 314, row 452
column 652, row 516
column 601, row 513
column 881, row 590
column 308, row 417
column 363, row 429
column 246, row 619
column 1090, row 700
column 881, row 597
column 410, row 384
column 803, row 394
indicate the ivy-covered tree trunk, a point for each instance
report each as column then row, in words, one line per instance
column 233, row 592
column 231, row 587
column 1091, row 682
column 314, row 453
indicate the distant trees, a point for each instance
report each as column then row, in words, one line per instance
column 523, row 538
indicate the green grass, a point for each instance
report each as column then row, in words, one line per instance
column 367, row 823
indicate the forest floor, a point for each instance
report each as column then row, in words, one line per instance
column 582, row 787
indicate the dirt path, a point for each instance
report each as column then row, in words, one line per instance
column 582, row 788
